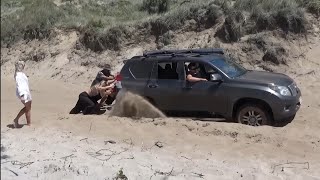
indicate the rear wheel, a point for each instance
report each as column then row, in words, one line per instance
column 253, row 115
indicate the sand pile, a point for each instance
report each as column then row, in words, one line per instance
column 129, row 104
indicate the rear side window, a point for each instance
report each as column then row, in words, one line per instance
column 141, row 69
column 167, row 70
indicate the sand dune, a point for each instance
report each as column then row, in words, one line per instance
column 63, row 146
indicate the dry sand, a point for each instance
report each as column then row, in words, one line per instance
column 62, row 146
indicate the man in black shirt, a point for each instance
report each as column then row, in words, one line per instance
column 193, row 74
column 104, row 74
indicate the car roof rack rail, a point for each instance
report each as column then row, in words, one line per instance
column 204, row 51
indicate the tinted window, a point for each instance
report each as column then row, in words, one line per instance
column 203, row 71
column 209, row 69
column 141, row 69
column 229, row 67
column 167, row 70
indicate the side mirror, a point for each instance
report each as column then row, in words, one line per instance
column 215, row 77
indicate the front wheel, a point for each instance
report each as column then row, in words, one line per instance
column 253, row 115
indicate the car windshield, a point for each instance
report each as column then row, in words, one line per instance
column 229, row 67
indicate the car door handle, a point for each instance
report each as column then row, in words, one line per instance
column 152, row 86
column 187, row 87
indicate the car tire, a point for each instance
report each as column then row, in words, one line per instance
column 253, row 115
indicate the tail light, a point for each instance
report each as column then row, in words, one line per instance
column 118, row 77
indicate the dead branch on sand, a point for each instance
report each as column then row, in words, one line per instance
column 308, row 73
column 157, row 172
column 164, row 173
column 110, row 142
column 186, row 158
column 16, row 174
column 69, row 156
column 98, row 153
column 83, row 139
column 159, row 144
column 200, row 175
column 21, row 164
column 146, row 166
column 131, row 157
column 292, row 165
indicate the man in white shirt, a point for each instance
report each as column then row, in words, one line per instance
column 22, row 92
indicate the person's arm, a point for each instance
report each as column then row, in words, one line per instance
column 101, row 77
column 104, row 95
column 110, row 82
column 104, row 88
column 106, row 78
column 190, row 78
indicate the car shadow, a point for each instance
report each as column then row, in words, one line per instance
column 281, row 124
column 197, row 116
column 208, row 117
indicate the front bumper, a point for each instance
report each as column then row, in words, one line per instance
column 287, row 108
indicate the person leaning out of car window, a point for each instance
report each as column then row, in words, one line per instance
column 193, row 74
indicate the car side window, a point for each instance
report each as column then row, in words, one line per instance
column 141, row 69
column 209, row 69
column 167, row 70
column 203, row 70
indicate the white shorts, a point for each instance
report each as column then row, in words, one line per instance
column 26, row 98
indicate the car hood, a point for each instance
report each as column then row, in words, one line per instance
column 266, row 77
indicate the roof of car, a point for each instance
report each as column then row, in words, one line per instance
column 194, row 54
column 184, row 51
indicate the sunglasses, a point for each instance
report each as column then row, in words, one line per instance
column 194, row 68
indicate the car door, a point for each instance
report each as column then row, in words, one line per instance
column 205, row 95
column 164, row 86
column 136, row 75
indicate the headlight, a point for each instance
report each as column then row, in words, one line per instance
column 283, row 90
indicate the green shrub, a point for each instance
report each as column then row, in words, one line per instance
column 272, row 14
column 97, row 40
column 312, row 6
column 33, row 22
column 233, row 29
column 33, row 19
column 156, row 6
column 159, row 27
column 292, row 20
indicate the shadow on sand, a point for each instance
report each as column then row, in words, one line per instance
column 12, row 126
column 204, row 116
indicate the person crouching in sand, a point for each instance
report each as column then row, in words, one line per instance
column 22, row 92
column 87, row 102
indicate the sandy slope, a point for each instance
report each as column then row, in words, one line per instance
column 215, row 150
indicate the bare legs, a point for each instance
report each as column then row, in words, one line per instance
column 25, row 110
